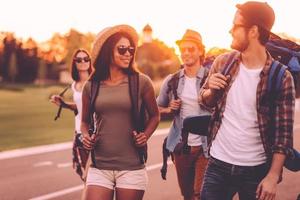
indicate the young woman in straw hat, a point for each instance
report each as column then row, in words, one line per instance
column 81, row 68
column 116, row 154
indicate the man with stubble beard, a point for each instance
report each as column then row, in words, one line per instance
column 247, row 151
column 182, row 103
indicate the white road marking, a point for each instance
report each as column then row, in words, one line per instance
column 42, row 164
column 35, row 150
column 80, row 187
column 63, row 165
column 52, row 147
column 155, row 166
column 59, row 193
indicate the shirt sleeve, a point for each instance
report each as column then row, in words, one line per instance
column 163, row 97
column 214, row 69
column 285, row 111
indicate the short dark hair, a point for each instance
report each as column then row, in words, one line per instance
column 74, row 70
column 264, row 35
column 105, row 58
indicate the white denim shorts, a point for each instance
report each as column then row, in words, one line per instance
column 128, row 179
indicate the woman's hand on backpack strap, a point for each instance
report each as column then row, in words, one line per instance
column 88, row 142
column 140, row 139
column 56, row 99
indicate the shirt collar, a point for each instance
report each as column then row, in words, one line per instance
column 267, row 66
column 200, row 73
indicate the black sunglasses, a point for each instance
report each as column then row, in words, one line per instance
column 122, row 50
column 80, row 59
column 189, row 49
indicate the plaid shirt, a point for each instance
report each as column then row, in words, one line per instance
column 282, row 140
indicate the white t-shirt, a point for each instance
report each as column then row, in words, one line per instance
column 190, row 106
column 238, row 140
column 77, row 98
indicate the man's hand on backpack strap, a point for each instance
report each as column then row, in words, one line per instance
column 175, row 105
column 218, row 81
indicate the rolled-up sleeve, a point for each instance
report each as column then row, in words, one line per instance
column 214, row 69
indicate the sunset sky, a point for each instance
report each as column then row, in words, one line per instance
column 169, row 18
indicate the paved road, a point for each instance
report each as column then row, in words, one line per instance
column 50, row 176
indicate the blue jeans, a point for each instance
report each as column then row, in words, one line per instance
column 223, row 180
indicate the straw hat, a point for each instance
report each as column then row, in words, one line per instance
column 191, row 35
column 106, row 33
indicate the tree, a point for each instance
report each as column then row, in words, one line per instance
column 156, row 59
column 9, row 49
column 12, row 67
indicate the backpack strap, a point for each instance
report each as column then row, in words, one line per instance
column 138, row 116
column 173, row 84
column 134, row 98
column 229, row 63
column 275, row 79
column 95, row 85
column 206, row 72
column 273, row 86
column 63, row 104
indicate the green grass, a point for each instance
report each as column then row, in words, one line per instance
column 27, row 117
column 164, row 124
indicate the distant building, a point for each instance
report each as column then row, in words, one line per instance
column 147, row 34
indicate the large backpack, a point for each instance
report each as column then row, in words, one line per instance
column 287, row 53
